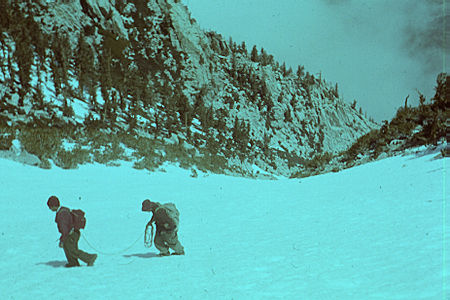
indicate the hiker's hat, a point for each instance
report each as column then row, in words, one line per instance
column 147, row 205
column 53, row 201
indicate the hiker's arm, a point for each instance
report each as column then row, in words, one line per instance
column 64, row 222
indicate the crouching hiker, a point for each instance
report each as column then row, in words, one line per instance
column 69, row 224
column 166, row 218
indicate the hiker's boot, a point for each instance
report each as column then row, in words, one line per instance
column 164, row 254
column 92, row 260
column 178, row 253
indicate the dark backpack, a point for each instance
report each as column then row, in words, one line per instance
column 171, row 214
column 78, row 218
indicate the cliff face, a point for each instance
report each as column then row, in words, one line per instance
column 151, row 69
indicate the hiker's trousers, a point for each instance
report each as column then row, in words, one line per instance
column 71, row 250
column 165, row 240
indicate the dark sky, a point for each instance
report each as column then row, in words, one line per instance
column 378, row 51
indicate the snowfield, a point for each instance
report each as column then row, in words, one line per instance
column 376, row 231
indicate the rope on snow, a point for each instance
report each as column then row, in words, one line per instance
column 113, row 253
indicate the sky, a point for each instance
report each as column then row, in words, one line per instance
column 378, row 51
column 376, row 231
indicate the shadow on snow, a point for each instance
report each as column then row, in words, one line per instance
column 142, row 255
column 54, row 263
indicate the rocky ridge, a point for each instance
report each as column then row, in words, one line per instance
column 191, row 87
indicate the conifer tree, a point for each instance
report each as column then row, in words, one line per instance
column 232, row 45
column 270, row 60
column 244, row 49
column 184, row 109
column 293, row 101
column 121, row 76
column 289, row 71
column 300, row 72
column 441, row 98
column 62, row 54
column 266, row 96
column 283, row 69
column 39, row 41
column 240, row 134
column 147, row 95
column 254, row 55
column 9, row 66
column 105, row 61
column 39, row 96
column 280, row 97
column 264, row 58
column 199, row 105
column 84, row 64
column 92, row 91
column 120, row 5
column 5, row 16
column 288, row 115
column 135, row 89
column 422, row 99
column 3, row 56
column 23, row 55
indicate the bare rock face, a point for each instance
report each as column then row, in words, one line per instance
column 275, row 117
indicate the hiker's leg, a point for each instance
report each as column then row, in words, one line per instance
column 69, row 247
column 160, row 242
column 80, row 254
column 173, row 242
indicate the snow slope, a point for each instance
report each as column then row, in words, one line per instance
column 377, row 231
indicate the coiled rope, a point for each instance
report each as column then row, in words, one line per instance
column 148, row 239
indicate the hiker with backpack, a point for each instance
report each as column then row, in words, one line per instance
column 69, row 224
column 166, row 218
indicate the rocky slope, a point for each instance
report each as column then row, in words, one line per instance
column 151, row 71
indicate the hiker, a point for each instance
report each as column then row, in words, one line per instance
column 166, row 218
column 69, row 226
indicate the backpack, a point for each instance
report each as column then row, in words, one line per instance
column 171, row 212
column 78, row 218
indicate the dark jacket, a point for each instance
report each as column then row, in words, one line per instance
column 64, row 221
